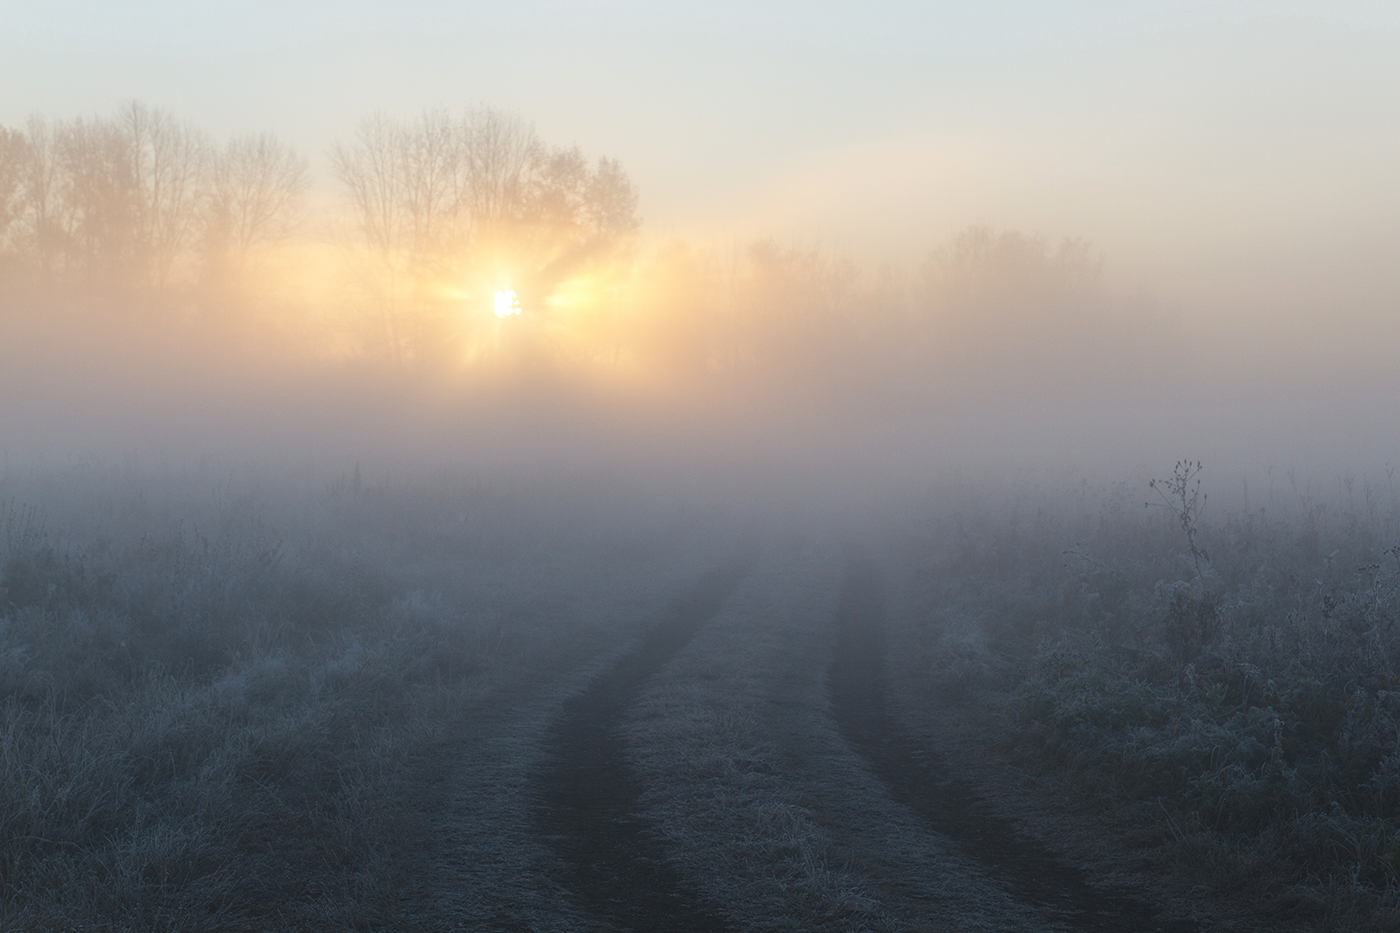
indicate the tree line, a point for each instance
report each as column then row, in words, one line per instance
column 145, row 202
column 436, row 212
column 139, row 201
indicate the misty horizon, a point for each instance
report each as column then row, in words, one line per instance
column 219, row 282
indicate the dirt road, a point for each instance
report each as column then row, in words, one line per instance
column 586, row 796
column 736, row 767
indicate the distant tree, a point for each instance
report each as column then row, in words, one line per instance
column 91, row 215
column 558, row 190
column 1009, row 274
column 256, row 195
column 431, row 198
column 611, row 200
column 1002, row 313
column 109, row 201
column 579, row 204
column 169, row 161
column 43, row 229
column 798, row 306
column 501, row 154
column 405, row 188
column 369, row 174
column 133, row 202
column 12, row 158
column 432, row 189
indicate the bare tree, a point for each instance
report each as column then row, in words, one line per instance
column 558, row 191
column 406, row 185
column 437, row 200
column 169, row 160
column 418, row 192
column 123, row 201
column 112, row 200
column 12, row 148
column 433, row 191
column 257, row 193
column 611, row 200
column 369, row 174
column 42, row 234
column 501, row 152
column 418, row 189
column 405, row 191
column 12, row 154
column 92, row 219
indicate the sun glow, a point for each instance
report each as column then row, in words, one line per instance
column 507, row 303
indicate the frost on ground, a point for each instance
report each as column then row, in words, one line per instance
column 760, row 800
column 225, row 715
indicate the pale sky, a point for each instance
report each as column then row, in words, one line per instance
column 1203, row 148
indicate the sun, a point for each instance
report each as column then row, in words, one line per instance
column 507, row 303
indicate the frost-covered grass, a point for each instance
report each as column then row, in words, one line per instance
column 212, row 705
column 204, row 738
column 1240, row 669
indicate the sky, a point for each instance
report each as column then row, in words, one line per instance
column 1238, row 162
column 1163, row 132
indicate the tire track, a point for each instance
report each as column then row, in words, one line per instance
column 1028, row 870
column 586, row 797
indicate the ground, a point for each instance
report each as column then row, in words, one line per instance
column 748, row 755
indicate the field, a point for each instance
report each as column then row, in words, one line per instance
column 239, row 701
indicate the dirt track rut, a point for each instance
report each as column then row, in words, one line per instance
column 563, row 798
column 586, row 800
column 1022, row 865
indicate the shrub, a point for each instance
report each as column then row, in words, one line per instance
column 1244, row 673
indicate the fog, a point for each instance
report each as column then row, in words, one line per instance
column 695, row 467
column 1102, row 244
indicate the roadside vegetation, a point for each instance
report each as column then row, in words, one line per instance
column 206, row 734
column 1239, row 670
column 215, row 713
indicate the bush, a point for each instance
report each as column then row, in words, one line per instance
column 1244, row 673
